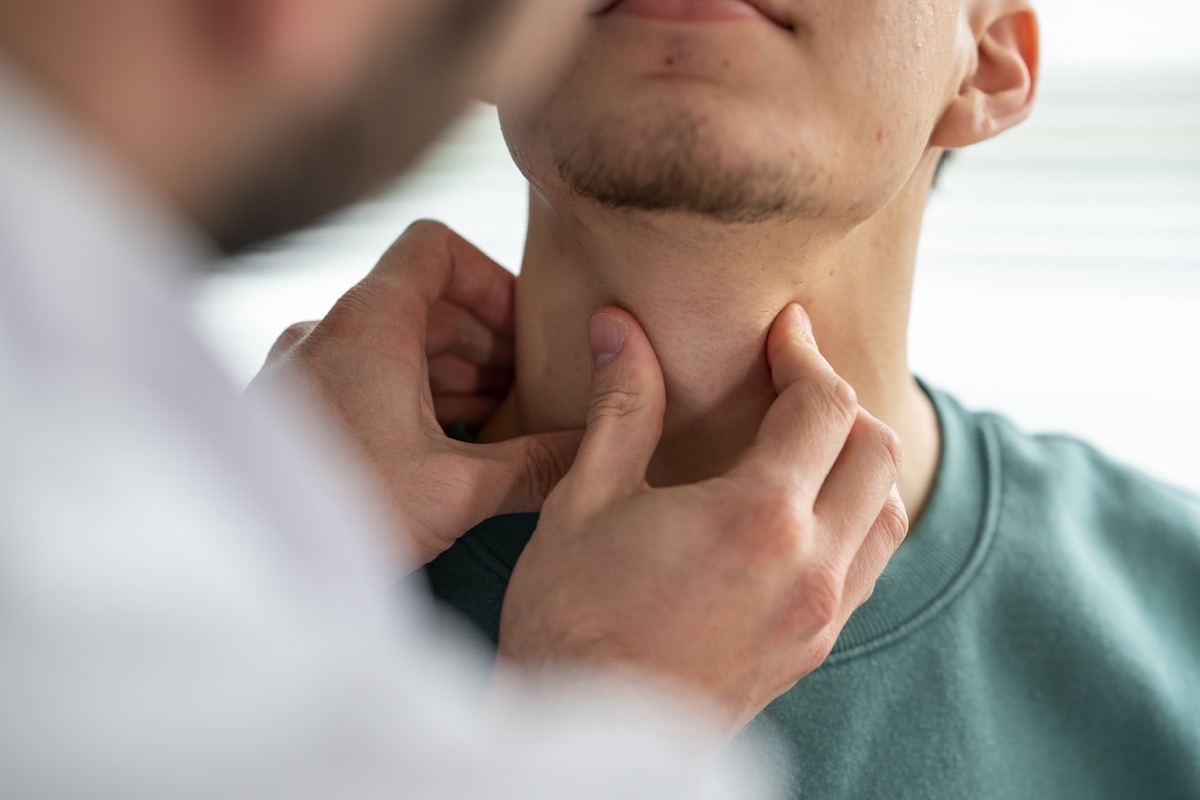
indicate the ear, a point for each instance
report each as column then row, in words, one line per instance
column 997, row 92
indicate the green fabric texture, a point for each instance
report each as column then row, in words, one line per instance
column 1038, row 635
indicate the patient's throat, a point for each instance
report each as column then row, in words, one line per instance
column 706, row 429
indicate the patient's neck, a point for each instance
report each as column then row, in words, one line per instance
column 706, row 295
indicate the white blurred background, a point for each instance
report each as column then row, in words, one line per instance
column 1059, row 278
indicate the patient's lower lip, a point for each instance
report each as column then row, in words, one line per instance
column 688, row 10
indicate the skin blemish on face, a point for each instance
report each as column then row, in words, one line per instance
column 670, row 61
column 725, row 63
column 879, row 137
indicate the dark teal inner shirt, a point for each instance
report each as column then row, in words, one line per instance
column 1038, row 635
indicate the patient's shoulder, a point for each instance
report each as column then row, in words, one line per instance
column 1062, row 478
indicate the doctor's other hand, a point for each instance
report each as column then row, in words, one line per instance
column 425, row 340
column 734, row 587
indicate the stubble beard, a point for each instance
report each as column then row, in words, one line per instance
column 675, row 162
column 413, row 93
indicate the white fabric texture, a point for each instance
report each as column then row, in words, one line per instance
column 194, row 594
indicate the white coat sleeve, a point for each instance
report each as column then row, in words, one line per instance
column 154, row 643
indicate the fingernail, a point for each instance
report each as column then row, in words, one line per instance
column 607, row 335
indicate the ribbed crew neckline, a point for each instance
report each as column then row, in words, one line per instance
column 937, row 561
column 948, row 544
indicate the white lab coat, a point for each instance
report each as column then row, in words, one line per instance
column 194, row 597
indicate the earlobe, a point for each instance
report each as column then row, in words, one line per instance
column 999, row 91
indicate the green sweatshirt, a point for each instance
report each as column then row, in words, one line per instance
column 1038, row 635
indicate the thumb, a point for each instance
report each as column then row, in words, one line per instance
column 625, row 413
column 515, row 476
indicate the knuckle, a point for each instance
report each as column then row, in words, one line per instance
column 831, row 405
column 291, row 336
column 349, row 316
column 773, row 526
column 544, row 467
column 824, row 643
column 295, row 331
column 817, row 646
column 614, row 402
column 893, row 522
column 836, row 400
column 891, row 442
column 560, row 509
column 868, row 592
column 820, row 596
column 843, row 398
column 781, row 515
column 426, row 229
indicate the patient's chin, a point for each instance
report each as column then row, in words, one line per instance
column 677, row 163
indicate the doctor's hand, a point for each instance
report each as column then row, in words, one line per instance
column 426, row 340
column 734, row 587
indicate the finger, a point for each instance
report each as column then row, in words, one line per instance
column 515, row 476
column 455, row 330
column 625, row 413
column 428, row 263
column 390, row 308
column 885, row 537
column 859, row 483
column 290, row 338
column 453, row 375
column 805, row 428
column 474, row 410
